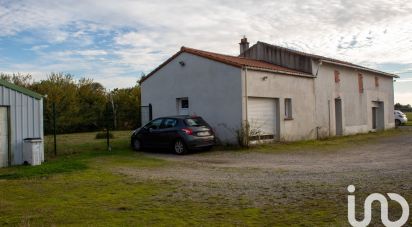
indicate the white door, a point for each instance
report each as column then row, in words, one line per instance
column 183, row 106
column 4, row 137
column 262, row 116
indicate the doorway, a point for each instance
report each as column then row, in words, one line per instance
column 378, row 115
column 4, row 137
column 183, row 106
column 338, row 117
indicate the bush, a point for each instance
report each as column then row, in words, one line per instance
column 102, row 135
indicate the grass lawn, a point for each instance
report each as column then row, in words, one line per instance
column 409, row 116
column 79, row 187
column 326, row 144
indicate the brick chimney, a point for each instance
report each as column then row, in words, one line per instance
column 244, row 44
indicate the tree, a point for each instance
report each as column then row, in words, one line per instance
column 127, row 107
column 82, row 105
column 405, row 108
column 22, row 80
column 61, row 90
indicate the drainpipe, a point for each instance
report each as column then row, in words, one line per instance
column 246, row 101
column 329, row 116
column 315, row 97
column 317, row 71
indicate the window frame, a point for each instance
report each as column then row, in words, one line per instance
column 288, row 113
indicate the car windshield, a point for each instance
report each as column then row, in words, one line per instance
column 195, row 122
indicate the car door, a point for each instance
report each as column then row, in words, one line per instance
column 167, row 132
column 150, row 133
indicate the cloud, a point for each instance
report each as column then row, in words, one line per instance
column 403, row 98
column 404, row 80
column 129, row 37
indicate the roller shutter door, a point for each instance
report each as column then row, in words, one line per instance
column 262, row 115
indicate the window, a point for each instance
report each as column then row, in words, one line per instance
column 155, row 124
column 337, row 78
column 360, row 82
column 184, row 103
column 195, row 122
column 288, row 109
column 168, row 123
column 376, row 81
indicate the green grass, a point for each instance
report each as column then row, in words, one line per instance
column 326, row 144
column 409, row 116
column 48, row 168
column 80, row 188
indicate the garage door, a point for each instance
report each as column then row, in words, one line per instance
column 262, row 116
column 4, row 137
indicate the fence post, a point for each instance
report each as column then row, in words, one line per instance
column 54, row 128
column 107, row 128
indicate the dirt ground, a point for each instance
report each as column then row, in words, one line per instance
column 290, row 177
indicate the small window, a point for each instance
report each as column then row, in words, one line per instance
column 155, row 124
column 376, row 81
column 182, row 106
column 184, row 103
column 360, row 82
column 288, row 108
column 168, row 123
column 337, row 77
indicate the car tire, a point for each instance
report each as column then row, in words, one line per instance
column 179, row 147
column 397, row 122
column 136, row 145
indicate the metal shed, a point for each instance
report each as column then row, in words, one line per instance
column 21, row 117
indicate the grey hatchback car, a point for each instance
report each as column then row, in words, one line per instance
column 181, row 133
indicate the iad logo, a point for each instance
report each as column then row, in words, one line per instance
column 384, row 209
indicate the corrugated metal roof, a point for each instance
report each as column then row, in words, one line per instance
column 327, row 59
column 20, row 89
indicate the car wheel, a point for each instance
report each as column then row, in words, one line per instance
column 179, row 147
column 397, row 122
column 137, row 145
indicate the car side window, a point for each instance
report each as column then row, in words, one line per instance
column 168, row 123
column 154, row 124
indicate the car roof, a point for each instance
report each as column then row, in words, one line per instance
column 180, row 117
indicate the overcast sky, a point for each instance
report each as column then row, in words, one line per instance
column 115, row 41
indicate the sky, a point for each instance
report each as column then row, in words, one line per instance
column 116, row 41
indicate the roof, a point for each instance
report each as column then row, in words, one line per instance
column 180, row 116
column 20, row 89
column 233, row 61
column 328, row 60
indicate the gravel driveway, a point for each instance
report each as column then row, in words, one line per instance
column 266, row 179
